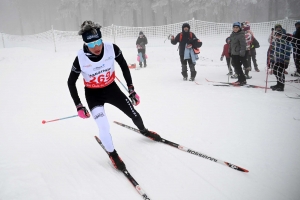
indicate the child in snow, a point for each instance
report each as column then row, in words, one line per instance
column 227, row 56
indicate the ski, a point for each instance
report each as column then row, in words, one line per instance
column 128, row 176
column 290, row 81
column 231, row 84
column 188, row 150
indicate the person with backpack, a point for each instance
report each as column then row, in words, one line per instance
column 188, row 50
column 141, row 47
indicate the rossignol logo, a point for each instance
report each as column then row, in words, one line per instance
column 201, row 155
column 99, row 115
column 92, row 36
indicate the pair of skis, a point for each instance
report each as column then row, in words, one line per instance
column 180, row 147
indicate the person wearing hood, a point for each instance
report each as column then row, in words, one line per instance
column 237, row 50
column 141, row 47
column 96, row 63
column 187, row 40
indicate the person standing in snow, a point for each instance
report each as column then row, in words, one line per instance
column 237, row 50
column 95, row 61
column 187, row 42
column 296, row 49
column 227, row 56
column 141, row 47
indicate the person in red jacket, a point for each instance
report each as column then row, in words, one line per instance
column 227, row 56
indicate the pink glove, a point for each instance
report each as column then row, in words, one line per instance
column 135, row 98
column 82, row 111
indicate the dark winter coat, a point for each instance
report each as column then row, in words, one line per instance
column 142, row 41
column 237, row 44
column 280, row 51
column 186, row 39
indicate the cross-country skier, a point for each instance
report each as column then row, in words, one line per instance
column 95, row 61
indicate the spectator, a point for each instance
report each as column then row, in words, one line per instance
column 141, row 47
column 187, row 41
column 296, row 48
column 227, row 56
column 237, row 50
column 279, row 58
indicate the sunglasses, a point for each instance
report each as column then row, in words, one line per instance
column 93, row 44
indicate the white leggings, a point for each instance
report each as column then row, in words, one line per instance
column 103, row 126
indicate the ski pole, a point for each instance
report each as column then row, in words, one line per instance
column 122, row 84
column 44, row 121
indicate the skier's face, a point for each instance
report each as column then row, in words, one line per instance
column 96, row 50
column 186, row 29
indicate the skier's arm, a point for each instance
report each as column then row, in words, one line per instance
column 146, row 40
column 123, row 64
column 74, row 74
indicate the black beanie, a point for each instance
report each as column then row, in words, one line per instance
column 90, row 31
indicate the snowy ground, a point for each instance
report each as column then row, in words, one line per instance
column 62, row 161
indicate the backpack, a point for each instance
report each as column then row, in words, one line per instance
column 196, row 50
column 255, row 43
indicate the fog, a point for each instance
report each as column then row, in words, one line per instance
column 23, row 17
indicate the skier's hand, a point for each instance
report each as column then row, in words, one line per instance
column 135, row 99
column 82, row 111
column 221, row 58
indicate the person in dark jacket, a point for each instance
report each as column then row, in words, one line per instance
column 296, row 48
column 237, row 50
column 141, row 47
column 186, row 40
column 279, row 58
column 96, row 63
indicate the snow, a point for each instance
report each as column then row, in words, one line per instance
column 62, row 161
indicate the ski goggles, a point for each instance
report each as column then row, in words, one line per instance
column 93, row 44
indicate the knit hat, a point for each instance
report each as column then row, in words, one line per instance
column 236, row 24
column 227, row 39
column 141, row 33
column 297, row 23
column 90, row 31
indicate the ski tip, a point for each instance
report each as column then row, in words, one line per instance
column 236, row 167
